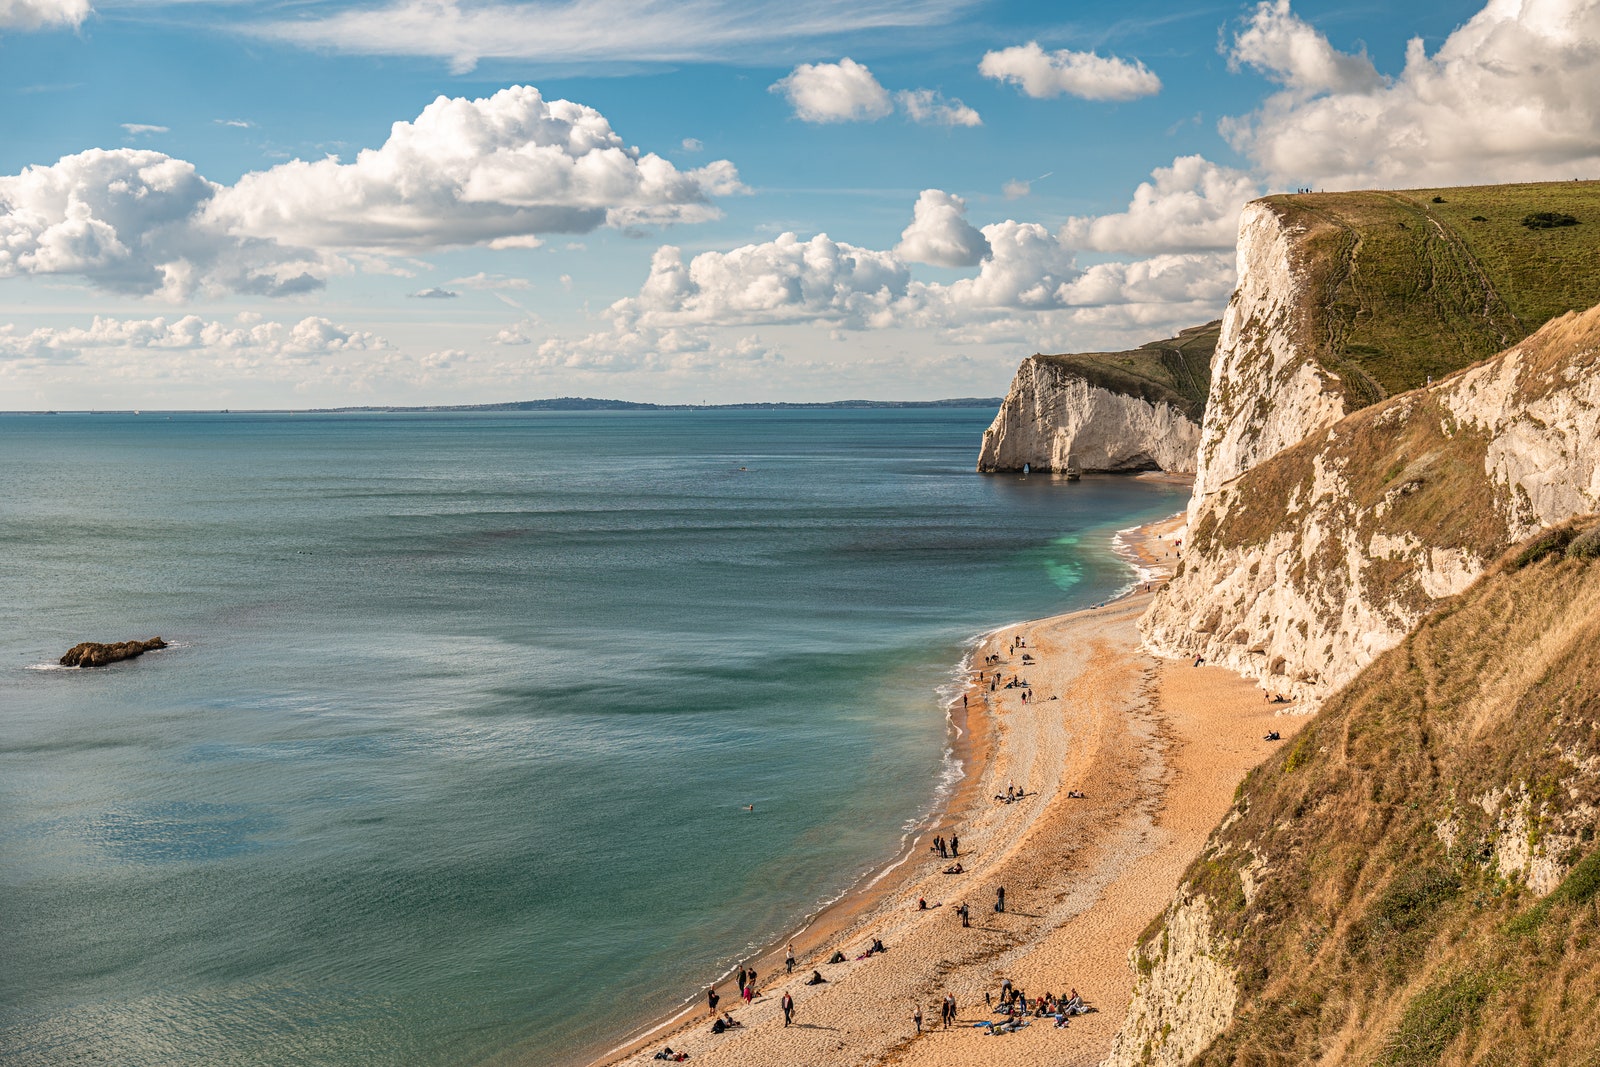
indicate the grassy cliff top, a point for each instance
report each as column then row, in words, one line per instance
column 1176, row 370
column 1423, row 282
column 1367, row 878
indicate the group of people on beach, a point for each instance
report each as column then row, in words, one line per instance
column 1014, row 1004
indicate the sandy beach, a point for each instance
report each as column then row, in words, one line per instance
column 1156, row 748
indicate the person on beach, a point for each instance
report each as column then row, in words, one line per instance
column 1000, row 900
column 816, row 979
column 788, row 1008
column 750, row 987
column 955, row 845
column 743, row 976
column 711, row 1000
column 966, row 915
column 916, row 1017
column 788, row 959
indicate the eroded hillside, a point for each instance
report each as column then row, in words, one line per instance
column 1414, row 879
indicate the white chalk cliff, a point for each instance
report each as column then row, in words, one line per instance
column 1125, row 411
column 1267, row 389
column 1304, row 569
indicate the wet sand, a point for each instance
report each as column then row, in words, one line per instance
column 1156, row 746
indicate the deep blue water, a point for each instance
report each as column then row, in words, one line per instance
column 454, row 744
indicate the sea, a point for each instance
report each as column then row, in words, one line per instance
column 482, row 737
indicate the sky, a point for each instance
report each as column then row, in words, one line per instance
column 310, row 203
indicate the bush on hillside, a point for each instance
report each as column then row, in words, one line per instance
column 1586, row 545
column 1547, row 220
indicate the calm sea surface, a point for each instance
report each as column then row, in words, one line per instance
column 451, row 756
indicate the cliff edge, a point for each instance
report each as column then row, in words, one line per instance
column 1105, row 411
column 1347, row 299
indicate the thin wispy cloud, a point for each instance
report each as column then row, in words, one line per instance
column 139, row 129
column 580, row 31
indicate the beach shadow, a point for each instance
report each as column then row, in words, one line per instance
column 814, row 1026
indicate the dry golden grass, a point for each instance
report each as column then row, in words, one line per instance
column 1373, row 939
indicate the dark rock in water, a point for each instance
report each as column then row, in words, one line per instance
column 94, row 654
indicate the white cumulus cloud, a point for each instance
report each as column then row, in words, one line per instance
column 497, row 171
column 781, row 280
column 1278, row 43
column 1193, row 204
column 844, row 91
column 42, row 14
column 1083, row 74
column 930, row 107
column 137, row 222
column 940, row 234
column 494, row 172
column 1512, row 94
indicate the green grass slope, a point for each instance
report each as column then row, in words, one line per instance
column 1407, row 285
column 1176, row 371
column 1387, row 920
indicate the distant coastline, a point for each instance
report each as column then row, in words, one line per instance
column 560, row 403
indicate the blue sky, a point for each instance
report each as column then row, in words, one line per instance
column 305, row 204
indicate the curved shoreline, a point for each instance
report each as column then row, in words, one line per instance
column 881, row 901
column 1127, row 773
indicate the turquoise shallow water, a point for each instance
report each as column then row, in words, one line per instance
column 450, row 758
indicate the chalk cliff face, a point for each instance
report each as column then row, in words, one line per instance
column 1117, row 411
column 1186, row 992
column 1054, row 420
column 1303, row 569
column 1268, row 390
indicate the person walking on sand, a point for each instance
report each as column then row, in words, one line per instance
column 916, row 1017
column 788, row 960
column 743, row 976
column 788, row 1008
